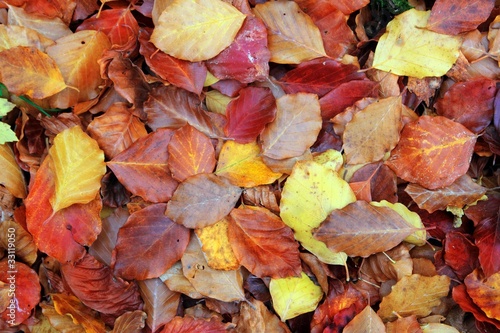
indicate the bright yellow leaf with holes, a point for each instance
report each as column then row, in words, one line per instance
column 294, row 296
column 78, row 165
column 407, row 48
column 196, row 30
column 242, row 164
column 216, row 247
column 311, row 193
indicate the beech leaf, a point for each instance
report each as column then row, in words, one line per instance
column 12, row 177
column 196, row 30
column 189, row 324
column 485, row 292
column 408, row 49
column 24, row 244
column 202, row 200
column 7, row 134
column 71, row 305
column 130, row 322
column 365, row 321
column 292, row 35
column 78, row 165
column 293, row 296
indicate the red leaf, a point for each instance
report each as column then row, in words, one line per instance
column 474, row 112
column 148, row 244
column 247, row 58
column 249, row 113
column 181, row 73
column 94, row 284
column 463, row 299
column 189, row 324
column 22, row 290
column 487, row 236
column 455, row 16
column 350, row 6
column 460, row 254
column 319, row 76
column 374, row 182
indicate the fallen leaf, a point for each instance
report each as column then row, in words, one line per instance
column 262, row 196
column 454, row 17
column 130, row 322
column 12, row 176
column 349, row 6
column 462, row 192
column 407, row 49
column 432, row 152
column 463, row 299
column 242, row 164
column 414, row 295
column 143, row 167
column 374, row 182
column 20, row 239
column 78, row 164
column 365, row 321
column 202, row 200
column 7, row 134
column 60, row 323
column 160, row 303
column 216, row 246
column 76, row 55
column 70, row 305
column 487, row 236
column 295, row 128
column 485, row 292
column 256, row 317
column 404, row 324
column 373, row 131
column 438, row 328
column 186, row 29
column 293, row 296
column 292, row 35
column 460, row 254
column 310, row 194
column 226, row 286
column 393, row 264
column 28, row 71
column 190, row 153
column 148, row 244
column 175, row 280
column 189, row 324
column 253, row 232
column 13, row 35
column 361, row 229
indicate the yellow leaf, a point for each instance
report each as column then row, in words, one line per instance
column 242, row 164
column 78, row 165
column 14, row 35
column 310, row 194
column 196, row 30
column 215, row 244
column 7, row 134
column 76, row 56
column 217, row 102
column 407, row 48
column 11, row 176
column 330, row 158
column 292, row 35
column 419, row 237
column 294, row 296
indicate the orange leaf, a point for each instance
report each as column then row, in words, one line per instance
column 71, row 305
column 252, row 234
column 365, row 321
column 143, row 167
column 189, row 324
column 29, row 71
column 190, row 152
column 485, row 292
column 432, row 152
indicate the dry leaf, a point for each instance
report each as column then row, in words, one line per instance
column 12, row 177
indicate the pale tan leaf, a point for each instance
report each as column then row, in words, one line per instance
column 295, row 128
column 367, row 321
column 292, row 35
column 13, row 35
column 11, row 177
column 61, row 323
column 15, row 234
column 130, row 322
column 76, row 55
column 196, row 30
column 176, row 281
column 256, row 317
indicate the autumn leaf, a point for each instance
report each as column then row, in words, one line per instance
column 374, row 182
column 414, row 295
column 70, row 305
column 432, row 152
column 366, row 320
column 487, row 236
column 462, row 298
column 293, row 296
column 175, row 280
column 186, row 29
column 159, row 242
column 297, row 124
column 26, row 249
column 252, row 233
column 78, row 167
column 292, row 35
column 12, row 177
column 7, row 134
column 29, row 71
column 460, row 253
column 311, row 192
column 59, row 322
column 407, row 49
column 484, row 292
column 130, row 322
column 242, row 164
column 256, row 317
column 202, row 200
column 189, row 324
column 13, row 35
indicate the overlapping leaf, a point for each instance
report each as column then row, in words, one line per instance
column 485, row 292
column 12, row 177
column 26, row 249
column 189, row 324
column 196, row 30
column 70, row 305
column 13, row 35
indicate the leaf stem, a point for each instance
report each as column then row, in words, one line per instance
column 38, row 107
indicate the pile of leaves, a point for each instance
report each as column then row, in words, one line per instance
column 281, row 166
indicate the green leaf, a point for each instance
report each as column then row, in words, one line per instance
column 7, row 134
column 5, row 107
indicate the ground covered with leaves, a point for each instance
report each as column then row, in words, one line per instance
column 281, row 166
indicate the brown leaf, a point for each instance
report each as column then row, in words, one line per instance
column 61, row 323
column 252, row 233
column 189, row 324
column 22, row 240
column 262, row 196
column 143, row 167
column 365, row 321
column 116, row 129
column 462, row 192
column 130, row 322
column 202, row 200
column 360, row 229
column 175, row 280
column 160, row 304
column 391, row 265
column 407, row 325
column 432, row 152
column 295, row 128
column 256, row 317
column 71, row 305
column 414, row 295
column 148, row 244
column 374, row 182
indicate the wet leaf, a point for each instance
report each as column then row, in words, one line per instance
column 202, row 200
column 196, row 30
column 407, row 49
column 292, row 35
